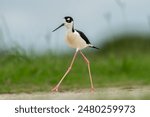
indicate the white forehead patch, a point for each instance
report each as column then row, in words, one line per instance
column 68, row 19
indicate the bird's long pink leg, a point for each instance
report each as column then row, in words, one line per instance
column 88, row 63
column 68, row 70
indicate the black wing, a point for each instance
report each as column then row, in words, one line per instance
column 83, row 37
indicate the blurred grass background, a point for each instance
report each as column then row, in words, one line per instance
column 124, row 60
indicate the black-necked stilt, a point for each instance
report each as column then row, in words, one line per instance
column 75, row 39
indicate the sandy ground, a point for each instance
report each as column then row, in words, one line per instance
column 142, row 92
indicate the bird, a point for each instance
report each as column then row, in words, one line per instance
column 75, row 39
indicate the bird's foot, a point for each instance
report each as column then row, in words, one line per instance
column 55, row 89
column 92, row 90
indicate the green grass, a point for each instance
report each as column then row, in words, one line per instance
column 124, row 62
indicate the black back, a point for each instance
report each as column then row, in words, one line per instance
column 83, row 37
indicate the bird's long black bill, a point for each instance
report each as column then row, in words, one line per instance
column 58, row 27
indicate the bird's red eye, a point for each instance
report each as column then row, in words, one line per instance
column 68, row 20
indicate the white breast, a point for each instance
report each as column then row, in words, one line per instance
column 74, row 40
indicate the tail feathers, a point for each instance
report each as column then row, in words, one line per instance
column 93, row 47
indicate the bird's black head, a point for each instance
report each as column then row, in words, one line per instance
column 68, row 23
column 68, row 19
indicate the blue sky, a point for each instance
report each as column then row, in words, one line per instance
column 30, row 22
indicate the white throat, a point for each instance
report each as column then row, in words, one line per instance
column 69, row 26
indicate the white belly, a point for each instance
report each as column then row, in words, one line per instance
column 74, row 40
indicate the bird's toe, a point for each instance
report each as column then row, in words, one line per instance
column 92, row 90
column 55, row 89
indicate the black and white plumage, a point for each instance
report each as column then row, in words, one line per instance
column 86, row 39
column 75, row 39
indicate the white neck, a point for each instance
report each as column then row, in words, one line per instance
column 69, row 27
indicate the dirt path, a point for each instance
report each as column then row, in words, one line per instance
column 142, row 92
